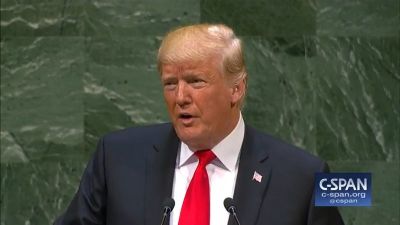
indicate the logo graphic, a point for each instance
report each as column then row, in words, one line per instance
column 342, row 189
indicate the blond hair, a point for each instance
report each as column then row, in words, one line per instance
column 197, row 43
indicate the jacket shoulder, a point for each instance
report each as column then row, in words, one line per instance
column 136, row 139
column 286, row 154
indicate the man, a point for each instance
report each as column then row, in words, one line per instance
column 204, row 156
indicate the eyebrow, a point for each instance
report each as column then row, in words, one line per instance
column 168, row 79
column 185, row 76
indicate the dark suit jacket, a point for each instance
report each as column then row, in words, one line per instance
column 132, row 171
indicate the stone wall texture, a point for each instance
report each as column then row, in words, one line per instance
column 323, row 75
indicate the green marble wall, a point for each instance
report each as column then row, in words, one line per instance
column 324, row 75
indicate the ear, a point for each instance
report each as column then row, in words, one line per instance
column 238, row 91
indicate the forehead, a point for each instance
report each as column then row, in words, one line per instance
column 208, row 67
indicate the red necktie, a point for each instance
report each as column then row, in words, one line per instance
column 196, row 205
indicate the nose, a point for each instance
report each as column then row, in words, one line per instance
column 182, row 94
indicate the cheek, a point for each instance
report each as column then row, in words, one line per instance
column 168, row 98
column 214, row 107
column 220, row 100
column 169, row 101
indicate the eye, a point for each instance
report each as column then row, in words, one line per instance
column 197, row 83
column 169, row 85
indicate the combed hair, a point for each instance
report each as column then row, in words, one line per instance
column 197, row 43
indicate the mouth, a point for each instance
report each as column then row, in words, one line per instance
column 186, row 118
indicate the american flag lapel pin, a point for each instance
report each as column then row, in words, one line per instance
column 257, row 177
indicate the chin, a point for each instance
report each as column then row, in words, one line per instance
column 191, row 138
column 185, row 136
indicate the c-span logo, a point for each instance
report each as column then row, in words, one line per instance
column 342, row 189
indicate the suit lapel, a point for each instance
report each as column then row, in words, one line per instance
column 160, row 167
column 250, row 188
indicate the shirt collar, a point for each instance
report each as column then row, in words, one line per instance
column 227, row 151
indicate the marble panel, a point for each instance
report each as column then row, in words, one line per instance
column 41, row 98
column 280, row 100
column 357, row 97
column 138, row 17
column 41, row 18
column 265, row 17
column 358, row 18
column 35, row 193
column 122, row 86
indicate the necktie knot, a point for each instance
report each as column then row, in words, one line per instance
column 205, row 157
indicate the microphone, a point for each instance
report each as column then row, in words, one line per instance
column 168, row 204
column 231, row 208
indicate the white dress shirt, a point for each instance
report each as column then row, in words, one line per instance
column 221, row 171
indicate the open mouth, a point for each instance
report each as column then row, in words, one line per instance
column 185, row 116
